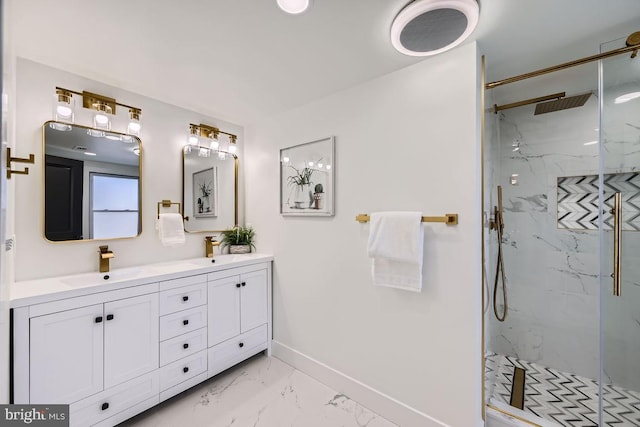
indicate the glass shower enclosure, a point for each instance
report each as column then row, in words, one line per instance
column 562, row 326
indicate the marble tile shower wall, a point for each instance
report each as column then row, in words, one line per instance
column 552, row 274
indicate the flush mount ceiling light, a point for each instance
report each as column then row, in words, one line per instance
column 429, row 27
column 294, row 7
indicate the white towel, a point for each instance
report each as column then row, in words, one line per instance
column 396, row 246
column 170, row 229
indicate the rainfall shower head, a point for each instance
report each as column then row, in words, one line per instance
column 562, row 104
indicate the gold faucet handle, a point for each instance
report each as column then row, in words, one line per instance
column 105, row 253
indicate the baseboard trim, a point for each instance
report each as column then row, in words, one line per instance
column 386, row 406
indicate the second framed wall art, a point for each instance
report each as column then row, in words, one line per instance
column 306, row 178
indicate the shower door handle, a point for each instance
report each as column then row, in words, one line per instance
column 617, row 241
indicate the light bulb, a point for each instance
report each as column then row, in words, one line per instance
column 193, row 140
column 310, row 164
column 285, row 159
column 101, row 119
column 328, row 167
column 214, row 144
column 64, row 111
column 134, row 128
column 233, row 148
column 320, row 165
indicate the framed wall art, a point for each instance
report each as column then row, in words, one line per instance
column 306, row 178
column 205, row 193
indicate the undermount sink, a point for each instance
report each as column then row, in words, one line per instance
column 96, row 278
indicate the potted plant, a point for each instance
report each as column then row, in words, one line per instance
column 318, row 191
column 239, row 239
column 303, row 195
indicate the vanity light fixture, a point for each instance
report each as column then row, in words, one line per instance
column 200, row 134
column 294, row 7
column 104, row 107
column 63, row 106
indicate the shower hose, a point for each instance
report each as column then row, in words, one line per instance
column 499, row 271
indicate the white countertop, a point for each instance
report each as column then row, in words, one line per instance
column 37, row 291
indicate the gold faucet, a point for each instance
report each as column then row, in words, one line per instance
column 208, row 246
column 105, row 254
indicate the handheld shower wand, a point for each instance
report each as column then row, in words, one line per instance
column 498, row 225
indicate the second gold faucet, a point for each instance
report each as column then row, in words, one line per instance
column 104, row 255
column 209, row 244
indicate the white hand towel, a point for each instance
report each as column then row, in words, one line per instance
column 396, row 246
column 170, row 229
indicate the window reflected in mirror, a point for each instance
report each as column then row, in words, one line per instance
column 92, row 183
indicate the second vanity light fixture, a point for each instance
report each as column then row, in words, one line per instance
column 206, row 139
column 104, row 107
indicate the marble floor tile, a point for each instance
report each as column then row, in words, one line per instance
column 261, row 392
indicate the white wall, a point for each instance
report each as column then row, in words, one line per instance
column 406, row 141
column 165, row 128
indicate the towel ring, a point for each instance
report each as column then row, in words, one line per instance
column 167, row 204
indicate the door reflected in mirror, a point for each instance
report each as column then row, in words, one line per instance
column 209, row 190
column 92, row 183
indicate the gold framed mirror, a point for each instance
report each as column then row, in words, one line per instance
column 209, row 189
column 92, row 183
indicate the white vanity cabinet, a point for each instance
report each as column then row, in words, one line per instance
column 113, row 350
column 238, row 315
column 89, row 352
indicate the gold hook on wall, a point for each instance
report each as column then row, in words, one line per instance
column 31, row 159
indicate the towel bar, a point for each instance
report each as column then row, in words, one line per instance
column 449, row 219
column 167, row 204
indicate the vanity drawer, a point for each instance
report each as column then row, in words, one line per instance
column 183, row 298
column 182, row 370
column 182, row 322
column 110, row 402
column 182, row 346
column 234, row 350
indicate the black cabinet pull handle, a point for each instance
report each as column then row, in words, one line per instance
column 109, row 316
column 244, row 283
column 238, row 285
column 99, row 319
column 185, row 346
column 185, row 322
column 185, row 369
column 185, row 298
column 241, row 344
column 105, row 406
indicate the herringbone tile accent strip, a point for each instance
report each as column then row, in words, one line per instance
column 566, row 399
column 578, row 201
